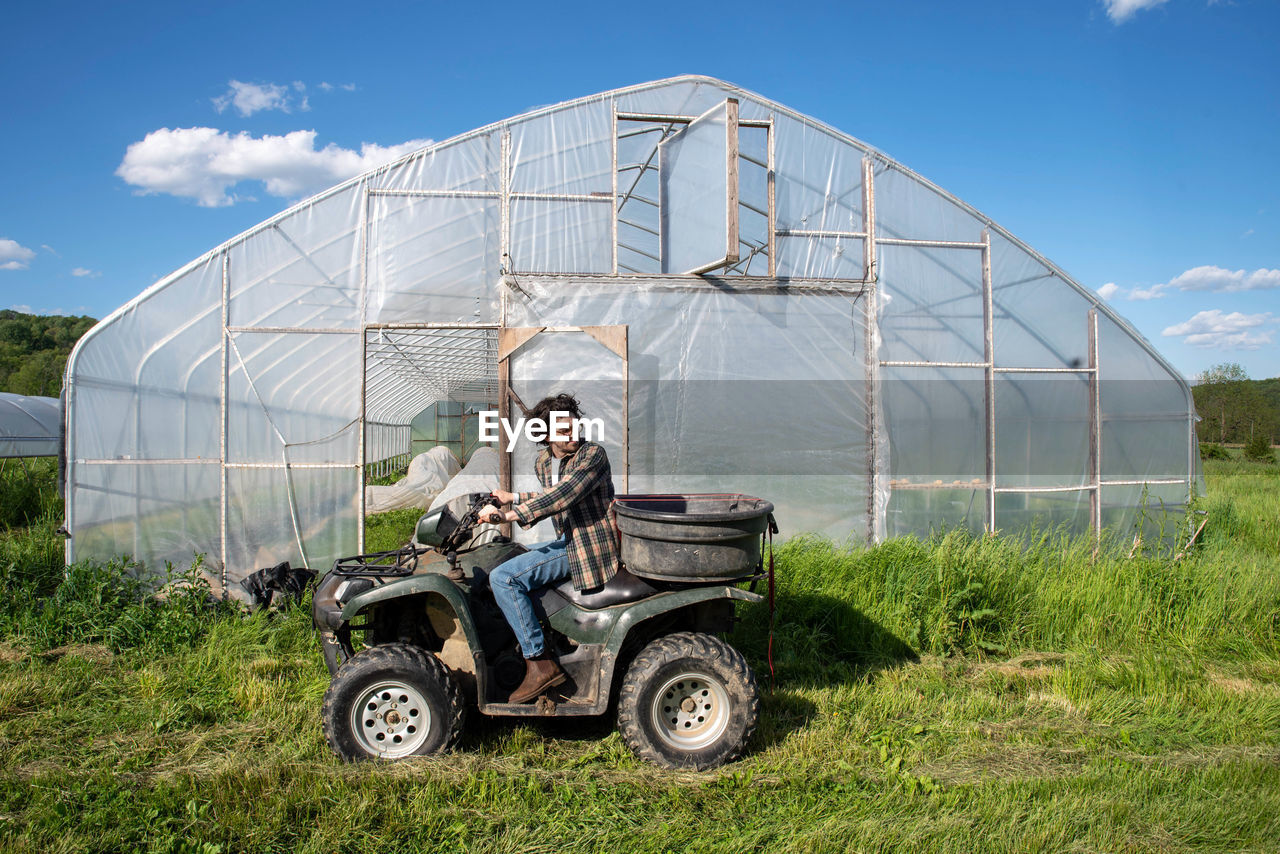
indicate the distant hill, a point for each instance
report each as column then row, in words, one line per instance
column 1230, row 411
column 34, row 350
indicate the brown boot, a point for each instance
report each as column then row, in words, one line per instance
column 540, row 674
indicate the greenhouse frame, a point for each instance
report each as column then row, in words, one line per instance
column 745, row 298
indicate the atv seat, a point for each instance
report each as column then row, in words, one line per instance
column 623, row 587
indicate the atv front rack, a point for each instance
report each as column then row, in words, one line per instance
column 402, row 561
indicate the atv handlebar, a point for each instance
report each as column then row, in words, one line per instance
column 467, row 523
column 479, row 501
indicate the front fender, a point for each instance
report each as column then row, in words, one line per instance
column 418, row 585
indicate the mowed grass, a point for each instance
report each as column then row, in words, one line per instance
column 955, row 694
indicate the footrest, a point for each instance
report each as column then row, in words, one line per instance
column 540, row 708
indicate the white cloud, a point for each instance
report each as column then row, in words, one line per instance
column 22, row 309
column 1108, row 290
column 250, row 98
column 1206, row 278
column 81, row 272
column 13, row 255
column 1220, row 280
column 1153, row 292
column 206, row 163
column 1120, row 11
column 1215, row 330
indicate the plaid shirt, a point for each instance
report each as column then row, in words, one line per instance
column 579, row 505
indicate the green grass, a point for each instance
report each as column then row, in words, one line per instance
column 953, row 694
column 384, row 532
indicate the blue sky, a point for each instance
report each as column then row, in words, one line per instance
column 1133, row 142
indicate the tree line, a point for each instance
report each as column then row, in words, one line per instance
column 1233, row 408
column 34, row 350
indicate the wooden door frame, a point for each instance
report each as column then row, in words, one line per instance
column 511, row 339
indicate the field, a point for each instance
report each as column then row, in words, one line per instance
column 955, row 694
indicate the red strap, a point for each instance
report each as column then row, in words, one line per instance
column 769, row 533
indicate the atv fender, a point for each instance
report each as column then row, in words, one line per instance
column 633, row 614
column 607, row 629
column 417, row 585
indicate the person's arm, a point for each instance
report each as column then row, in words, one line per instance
column 562, row 496
column 492, row 513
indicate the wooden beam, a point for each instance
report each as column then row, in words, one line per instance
column 504, row 412
column 512, row 338
column 731, row 255
column 612, row 337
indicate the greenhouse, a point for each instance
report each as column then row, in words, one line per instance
column 745, row 298
column 29, row 426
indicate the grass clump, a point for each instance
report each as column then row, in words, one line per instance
column 113, row 604
column 45, row 605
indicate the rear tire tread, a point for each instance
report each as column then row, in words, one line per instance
column 718, row 656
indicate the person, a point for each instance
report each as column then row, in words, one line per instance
column 577, row 494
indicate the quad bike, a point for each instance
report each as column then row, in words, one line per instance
column 435, row 643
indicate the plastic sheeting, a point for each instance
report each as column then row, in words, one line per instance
column 480, row 474
column 752, row 390
column 696, row 193
column 883, row 360
column 427, row 475
column 30, row 426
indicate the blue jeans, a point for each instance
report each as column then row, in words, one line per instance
column 514, row 580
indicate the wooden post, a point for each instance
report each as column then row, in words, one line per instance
column 731, row 254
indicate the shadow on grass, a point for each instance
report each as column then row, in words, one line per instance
column 818, row 641
column 484, row 733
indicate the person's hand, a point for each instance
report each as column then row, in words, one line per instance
column 492, row 515
column 504, row 497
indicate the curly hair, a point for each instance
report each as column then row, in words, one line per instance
column 563, row 402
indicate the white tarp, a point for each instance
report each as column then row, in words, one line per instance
column 480, row 474
column 427, row 475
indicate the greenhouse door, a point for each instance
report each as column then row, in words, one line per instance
column 447, row 374
column 588, row 361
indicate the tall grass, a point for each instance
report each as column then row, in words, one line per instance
column 44, row 604
column 957, row 593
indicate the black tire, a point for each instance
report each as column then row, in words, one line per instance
column 688, row 700
column 392, row 701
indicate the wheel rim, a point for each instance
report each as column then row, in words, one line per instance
column 391, row 719
column 690, row 710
